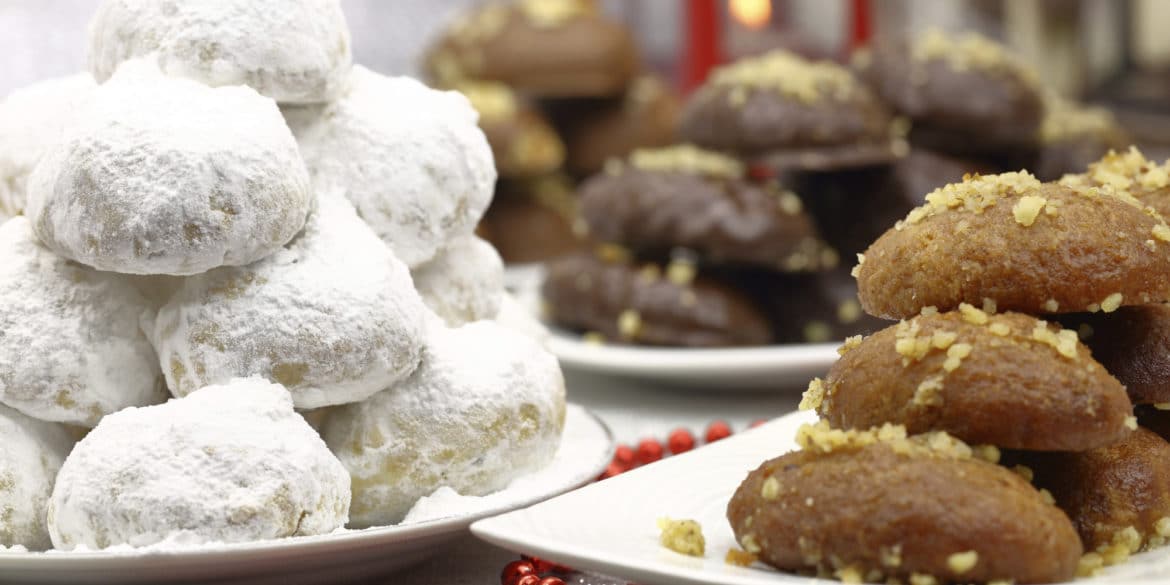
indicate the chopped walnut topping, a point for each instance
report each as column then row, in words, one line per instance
column 687, row 158
column 963, row 562
column 629, row 323
column 813, row 396
column 790, row 75
column 771, row 488
column 970, row 51
column 1028, row 208
column 972, row 315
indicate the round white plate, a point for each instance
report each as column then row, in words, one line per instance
column 614, row 522
column 586, row 448
column 773, row 367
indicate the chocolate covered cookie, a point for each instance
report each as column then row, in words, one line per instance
column 878, row 504
column 649, row 303
column 783, row 112
column 685, row 197
column 598, row 130
column 964, row 94
column 524, row 143
column 1133, row 343
column 1008, row 380
column 1027, row 246
column 546, row 48
column 533, row 220
column 1073, row 136
column 811, row 308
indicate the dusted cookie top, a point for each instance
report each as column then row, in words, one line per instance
column 684, row 197
column 1009, row 380
column 523, row 141
column 876, row 504
column 1131, row 172
column 651, row 304
column 333, row 317
column 31, row 120
column 486, row 406
column 788, row 113
column 464, row 283
column 71, row 349
column 411, row 159
column 159, row 175
column 293, row 51
column 1027, row 246
column 965, row 94
column 546, row 48
column 229, row 463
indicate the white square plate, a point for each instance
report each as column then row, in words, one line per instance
column 610, row 527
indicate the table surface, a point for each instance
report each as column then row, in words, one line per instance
column 633, row 410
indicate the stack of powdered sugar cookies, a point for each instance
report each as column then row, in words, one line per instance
column 1032, row 323
column 172, row 234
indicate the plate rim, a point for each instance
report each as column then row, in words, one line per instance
column 309, row 545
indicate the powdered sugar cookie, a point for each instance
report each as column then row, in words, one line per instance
column 487, row 405
column 71, row 348
column 31, row 452
column 518, row 317
column 463, row 283
column 230, row 463
column 31, row 120
column 332, row 316
column 410, row 158
column 291, row 51
column 167, row 176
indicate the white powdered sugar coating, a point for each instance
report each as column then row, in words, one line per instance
column 166, row 176
column 486, row 406
column 31, row 452
column 70, row 345
column 411, row 159
column 295, row 51
column 230, row 463
column 31, row 120
column 333, row 316
column 463, row 283
column 518, row 317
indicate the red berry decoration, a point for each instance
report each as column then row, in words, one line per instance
column 543, row 566
column 680, row 441
column 718, row 430
column 514, row 570
column 757, row 422
column 611, row 470
column 649, row 451
column 552, row 581
column 624, row 456
column 529, row 579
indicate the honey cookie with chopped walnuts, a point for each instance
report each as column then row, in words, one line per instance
column 964, row 94
column 544, row 48
column 878, row 504
column 1029, row 246
column 1133, row 343
column 686, row 197
column 784, row 112
column 1009, row 380
column 1118, row 496
column 523, row 141
column 650, row 304
column 1131, row 172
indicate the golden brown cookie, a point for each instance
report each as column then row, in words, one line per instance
column 1129, row 171
column 964, row 94
column 650, row 304
column 1117, row 495
column 685, row 197
column 877, row 504
column 783, row 112
column 598, row 130
column 524, row 143
column 1133, row 343
column 1008, row 380
column 545, row 48
column 1030, row 247
column 532, row 220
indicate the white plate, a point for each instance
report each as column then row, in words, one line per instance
column 773, row 367
column 610, row 527
column 585, row 451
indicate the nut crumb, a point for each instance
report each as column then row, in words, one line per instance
column 963, row 562
column 682, row 536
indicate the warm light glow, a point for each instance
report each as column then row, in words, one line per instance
column 751, row 13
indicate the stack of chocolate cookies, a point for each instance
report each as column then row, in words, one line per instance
column 909, row 473
column 559, row 89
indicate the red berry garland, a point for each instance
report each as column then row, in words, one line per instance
column 680, row 441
